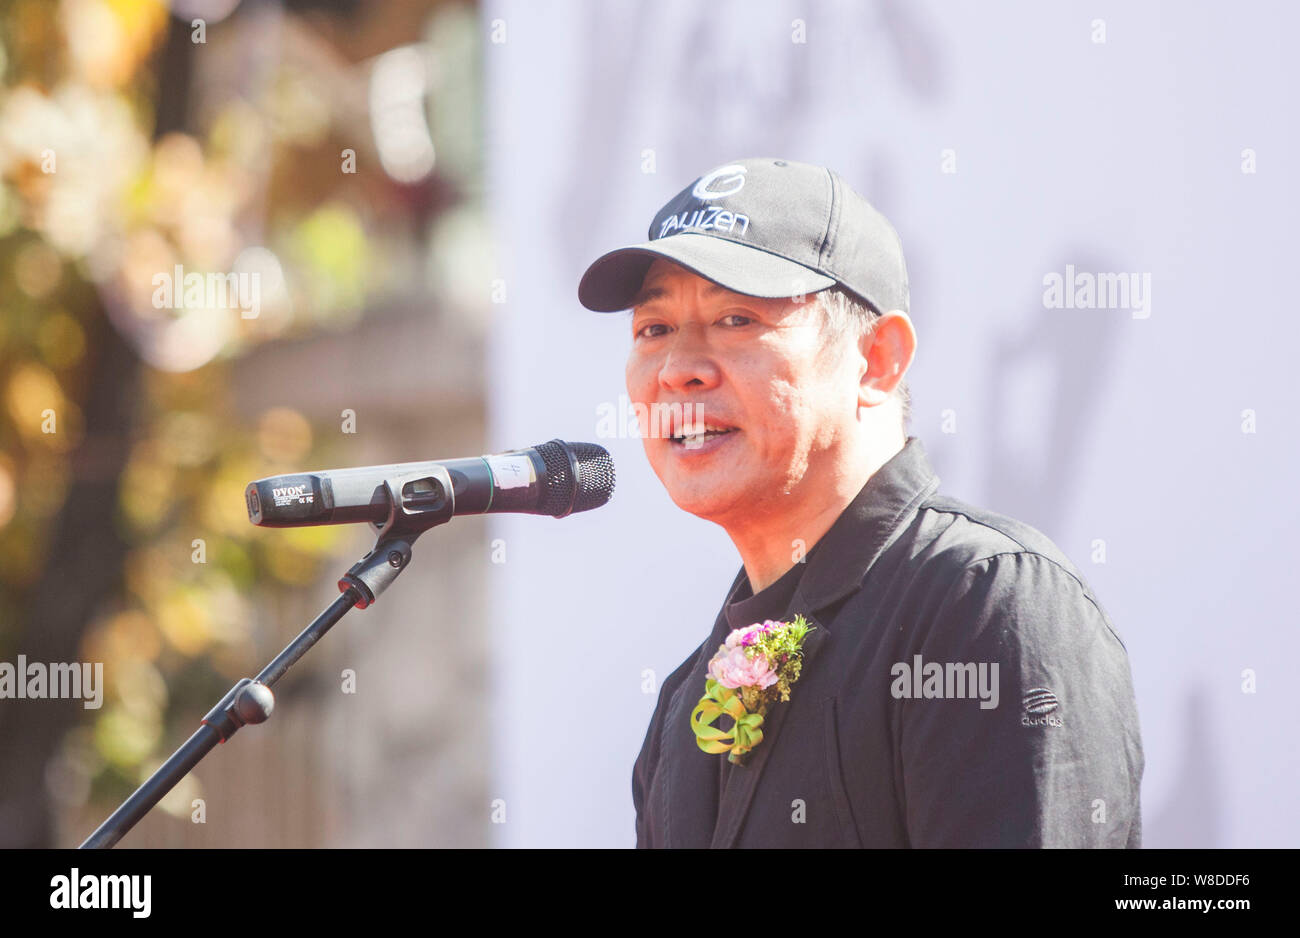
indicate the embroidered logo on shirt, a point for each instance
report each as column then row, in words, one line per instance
column 1040, row 708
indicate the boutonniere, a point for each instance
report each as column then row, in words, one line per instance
column 752, row 670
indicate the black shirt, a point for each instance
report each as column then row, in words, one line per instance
column 961, row 687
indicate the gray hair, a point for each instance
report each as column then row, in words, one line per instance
column 847, row 316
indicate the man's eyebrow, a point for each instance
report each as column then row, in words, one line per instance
column 646, row 294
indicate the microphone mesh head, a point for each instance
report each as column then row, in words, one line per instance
column 595, row 476
column 594, row 484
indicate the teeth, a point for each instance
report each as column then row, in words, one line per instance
column 708, row 428
column 693, row 437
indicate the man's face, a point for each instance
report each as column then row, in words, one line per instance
column 754, row 367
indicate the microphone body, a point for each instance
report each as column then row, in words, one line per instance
column 554, row 478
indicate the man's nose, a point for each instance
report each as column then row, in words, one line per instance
column 688, row 361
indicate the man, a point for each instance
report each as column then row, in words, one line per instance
column 960, row 686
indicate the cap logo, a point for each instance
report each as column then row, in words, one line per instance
column 731, row 178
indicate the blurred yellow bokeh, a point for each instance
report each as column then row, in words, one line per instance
column 8, row 496
column 39, row 409
column 185, row 619
column 128, row 635
column 107, row 39
column 148, row 486
column 61, row 339
column 123, row 738
column 284, row 437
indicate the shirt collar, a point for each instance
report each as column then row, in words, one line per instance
column 859, row 535
column 744, row 607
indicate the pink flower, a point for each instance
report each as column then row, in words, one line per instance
column 733, row 667
column 749, row 634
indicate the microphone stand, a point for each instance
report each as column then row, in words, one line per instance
column 251, row 701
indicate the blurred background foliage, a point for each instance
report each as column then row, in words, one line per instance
column 134, row 138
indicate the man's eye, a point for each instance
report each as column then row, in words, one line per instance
column 643, row 331
column 745, row 320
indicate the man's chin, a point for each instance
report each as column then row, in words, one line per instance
column 709, row 503
column 708, row 490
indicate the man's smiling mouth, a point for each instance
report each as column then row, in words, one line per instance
column 691, row 437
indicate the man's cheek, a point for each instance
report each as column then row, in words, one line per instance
column 655, row 453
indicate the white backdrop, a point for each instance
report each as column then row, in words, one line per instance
column 1005, row 142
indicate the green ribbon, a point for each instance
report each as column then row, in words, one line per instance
column 744, row 736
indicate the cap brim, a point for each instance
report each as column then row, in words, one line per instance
column 612, row 282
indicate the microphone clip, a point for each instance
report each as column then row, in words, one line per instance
column 417, row 501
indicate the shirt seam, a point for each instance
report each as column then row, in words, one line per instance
column 1030, row 552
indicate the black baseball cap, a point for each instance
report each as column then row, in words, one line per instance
column 763, row 227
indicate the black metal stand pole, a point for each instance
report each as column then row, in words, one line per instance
column 246, row 702
column 251, row 701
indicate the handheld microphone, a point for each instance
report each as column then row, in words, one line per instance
column 554, row 478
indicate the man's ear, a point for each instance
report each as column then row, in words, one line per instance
column 887, row 353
